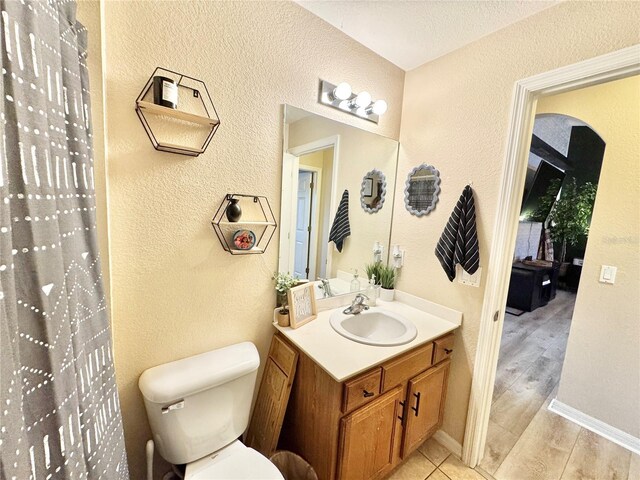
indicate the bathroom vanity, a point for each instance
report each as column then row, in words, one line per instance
column 357, row 411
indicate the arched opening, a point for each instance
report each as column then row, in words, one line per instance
column 565, row 160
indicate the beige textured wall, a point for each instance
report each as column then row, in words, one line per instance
column 601, row 371
column 175, row 292
column 88, row 14
column 455, row 116
column 358, row 153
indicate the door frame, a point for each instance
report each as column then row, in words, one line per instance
column 314, row 218
column 605, row 68
column 322, row 144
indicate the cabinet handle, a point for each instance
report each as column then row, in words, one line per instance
column 401, row 417
column 448, row 350
column 416, row 409
column 367, row 394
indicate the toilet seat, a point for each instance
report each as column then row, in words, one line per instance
column 235, row 461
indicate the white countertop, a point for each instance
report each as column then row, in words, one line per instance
column 343, row 358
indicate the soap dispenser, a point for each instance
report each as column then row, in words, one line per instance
column 355, row 283
column 372, row 292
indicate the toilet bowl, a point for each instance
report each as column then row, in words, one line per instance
column 199, row 406
column 235, row 461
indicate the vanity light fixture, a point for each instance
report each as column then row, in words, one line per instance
column 343, row 98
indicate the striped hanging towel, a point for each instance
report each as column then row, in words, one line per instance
column 459, row 241
column 340, row 228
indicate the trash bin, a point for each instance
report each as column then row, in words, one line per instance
column 292, row 466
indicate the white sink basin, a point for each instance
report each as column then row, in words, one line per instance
column 375, row 326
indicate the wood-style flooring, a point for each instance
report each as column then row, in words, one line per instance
column 526, row 441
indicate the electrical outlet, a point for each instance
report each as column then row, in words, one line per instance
column 467, row 279
column 608, row 274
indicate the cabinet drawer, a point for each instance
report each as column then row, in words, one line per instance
column 361, row 390
column 408, row 365
column 443, row 348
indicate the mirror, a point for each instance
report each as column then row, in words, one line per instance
column 422, row 189
column 321, row 159
column 373, row 191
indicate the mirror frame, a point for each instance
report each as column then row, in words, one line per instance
column 436, row 195
column 365, row 207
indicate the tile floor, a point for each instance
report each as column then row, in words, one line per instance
column 434, row 462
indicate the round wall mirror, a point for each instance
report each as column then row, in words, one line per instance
column 374, row 188
column 422, row 189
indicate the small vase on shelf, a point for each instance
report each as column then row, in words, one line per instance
column 233, row 211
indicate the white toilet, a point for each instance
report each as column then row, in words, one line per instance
column 199, row 406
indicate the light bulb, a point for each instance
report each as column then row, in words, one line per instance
column 345, row 105
column 342, row 91
column 363, row 99
column 361, row 111
column 379, row 107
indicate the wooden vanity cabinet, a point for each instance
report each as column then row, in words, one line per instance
column 362, row 428
column 368, row 437
column 425, row 397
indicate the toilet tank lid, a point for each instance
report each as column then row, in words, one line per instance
column 175, row 380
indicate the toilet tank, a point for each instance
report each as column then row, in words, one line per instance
column 200, row 404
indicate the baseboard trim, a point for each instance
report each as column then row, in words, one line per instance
column 596, row 426
column 448, row 442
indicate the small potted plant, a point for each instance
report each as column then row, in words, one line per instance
column 373, row 270
column 284, row 282
column 388, row 276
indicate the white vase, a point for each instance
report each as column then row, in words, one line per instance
column 386, row 294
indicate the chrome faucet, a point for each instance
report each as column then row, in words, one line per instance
column 357, row 306
column 325, row 287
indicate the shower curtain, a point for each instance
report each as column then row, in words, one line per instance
column 59, row 412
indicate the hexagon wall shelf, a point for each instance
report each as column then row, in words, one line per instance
column 260, row 218
column 206, row 116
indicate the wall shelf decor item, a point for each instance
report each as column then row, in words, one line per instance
column 302, row 304
column 422, row 189
column 194, row 110
column 248, row 232
column 373, row 191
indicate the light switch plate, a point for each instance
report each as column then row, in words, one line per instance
column 608, row 274
column 471, row 280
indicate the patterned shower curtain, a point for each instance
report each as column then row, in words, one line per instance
column 59, row 413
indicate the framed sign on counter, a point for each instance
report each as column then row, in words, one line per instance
column 302, row 304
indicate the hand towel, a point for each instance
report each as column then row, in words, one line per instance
column 340, row 228
column 459, row 241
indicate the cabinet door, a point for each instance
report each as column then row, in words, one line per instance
column 367, row 438
column 425, row 406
